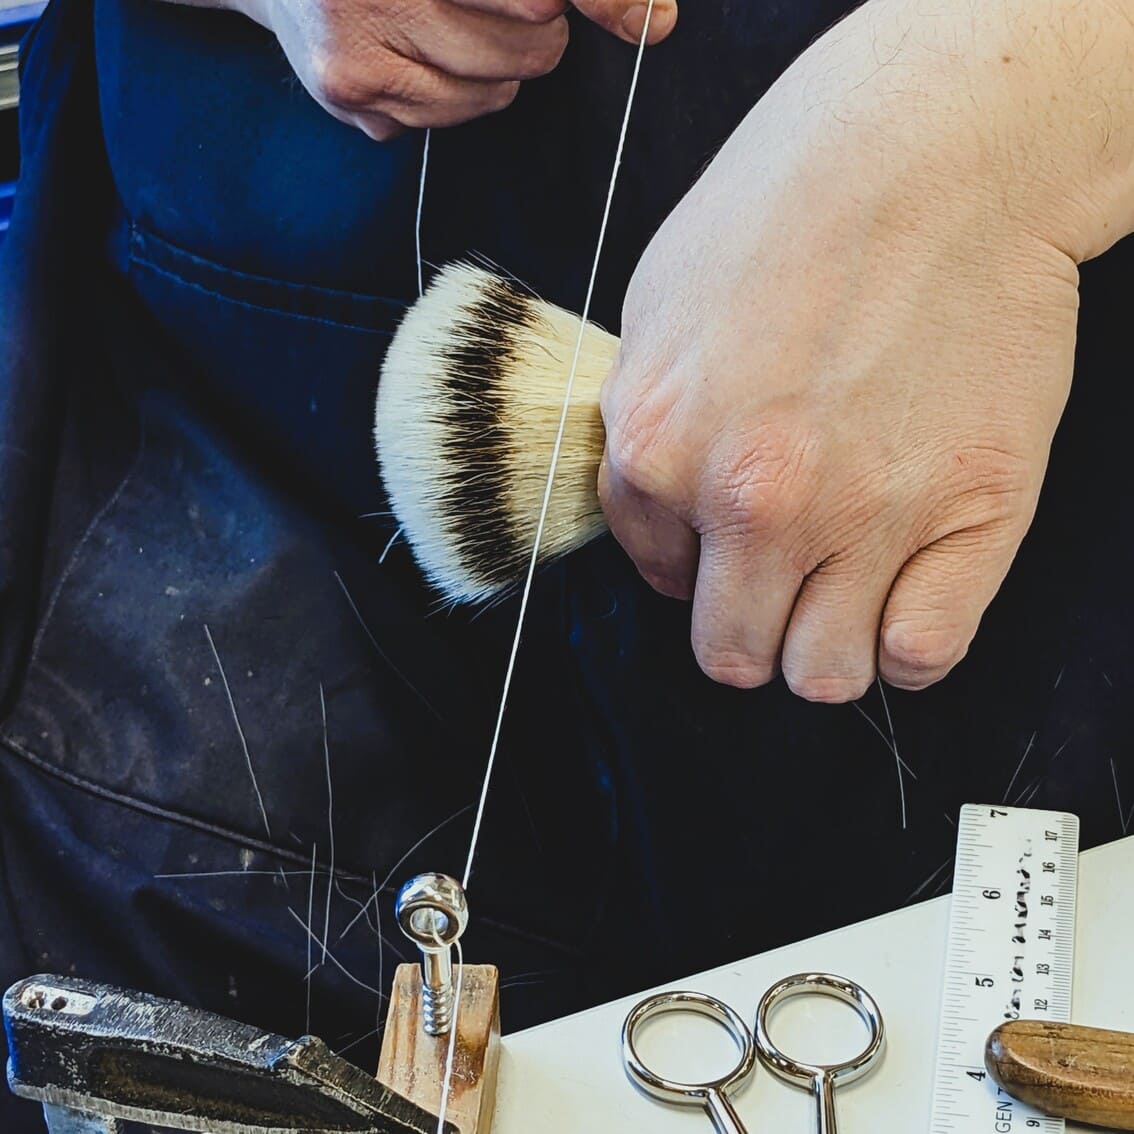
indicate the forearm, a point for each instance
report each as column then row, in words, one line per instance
column 1031, row 101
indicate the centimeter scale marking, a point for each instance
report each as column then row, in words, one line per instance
column 1010, row 956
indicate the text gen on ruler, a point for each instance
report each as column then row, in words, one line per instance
column 1010, row 956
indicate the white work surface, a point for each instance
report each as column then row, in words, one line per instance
column 568, row 1075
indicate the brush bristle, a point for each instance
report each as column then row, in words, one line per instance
column 468, row 407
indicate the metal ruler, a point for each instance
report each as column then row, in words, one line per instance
column 1010, row 956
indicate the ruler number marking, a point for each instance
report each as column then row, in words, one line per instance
column 1009, row 955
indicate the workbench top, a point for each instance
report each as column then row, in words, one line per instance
column 568, row 1076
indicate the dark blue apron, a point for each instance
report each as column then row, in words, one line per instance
column 202, row 274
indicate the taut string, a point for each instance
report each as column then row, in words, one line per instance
column 534, row 559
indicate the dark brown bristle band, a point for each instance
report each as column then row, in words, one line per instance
column 476, row 484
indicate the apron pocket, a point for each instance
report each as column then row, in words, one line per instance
column 290, row 367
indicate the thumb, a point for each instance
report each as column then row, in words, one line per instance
column 625, row 18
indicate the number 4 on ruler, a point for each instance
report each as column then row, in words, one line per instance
column 1010, row 956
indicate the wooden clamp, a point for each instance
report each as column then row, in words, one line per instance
column 412, row 1062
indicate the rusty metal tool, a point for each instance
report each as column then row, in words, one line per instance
column 104, row 1060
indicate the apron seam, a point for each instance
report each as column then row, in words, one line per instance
column 137, row 260
column 141, row 236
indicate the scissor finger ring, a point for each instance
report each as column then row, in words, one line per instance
column 827, row 985
column 820, row 1078
column 670, row 1090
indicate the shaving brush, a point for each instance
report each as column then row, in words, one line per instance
column 468, row 408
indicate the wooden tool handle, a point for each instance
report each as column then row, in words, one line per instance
column 1085, row 1074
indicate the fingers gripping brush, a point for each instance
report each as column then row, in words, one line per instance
column 468, row 408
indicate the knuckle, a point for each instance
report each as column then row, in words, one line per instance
column 667, row 581
column 915, row 654
column 412, row 85
column 833, row 689
column 763, row 485
column 421, row 97
column 381, row 129
column 544, row 57
column 636, row 443
column 339, row 81
column 502, row 95
column 994, row 482
column 729, row 667
column 990, row 464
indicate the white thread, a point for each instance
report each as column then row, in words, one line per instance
column 394, row 537
column 450, row 1054
column 310, row 913
column 392, row 871
column 236, row 873
column 420, row 210
column 240, row 733
column 526, row 593
column 890, row 747
column 1019, row 766
column 446, row 1082
column 894, row 746
column 1118, row 796
column 381, row 955
column 330, row 821
column 334, row 960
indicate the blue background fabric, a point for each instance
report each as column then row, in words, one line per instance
column 202, row 274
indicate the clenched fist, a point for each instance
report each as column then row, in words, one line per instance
column 383, row 65
column 846, row 352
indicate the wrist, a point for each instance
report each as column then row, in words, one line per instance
column 1067, row 97
column 1031, row 104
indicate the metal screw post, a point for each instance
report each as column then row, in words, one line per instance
column 432, row 912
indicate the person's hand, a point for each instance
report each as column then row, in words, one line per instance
column 383, row 65
column 846, row 352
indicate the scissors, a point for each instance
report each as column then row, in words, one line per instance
column 820, row 1079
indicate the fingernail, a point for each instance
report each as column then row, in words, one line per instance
column 660, row 22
